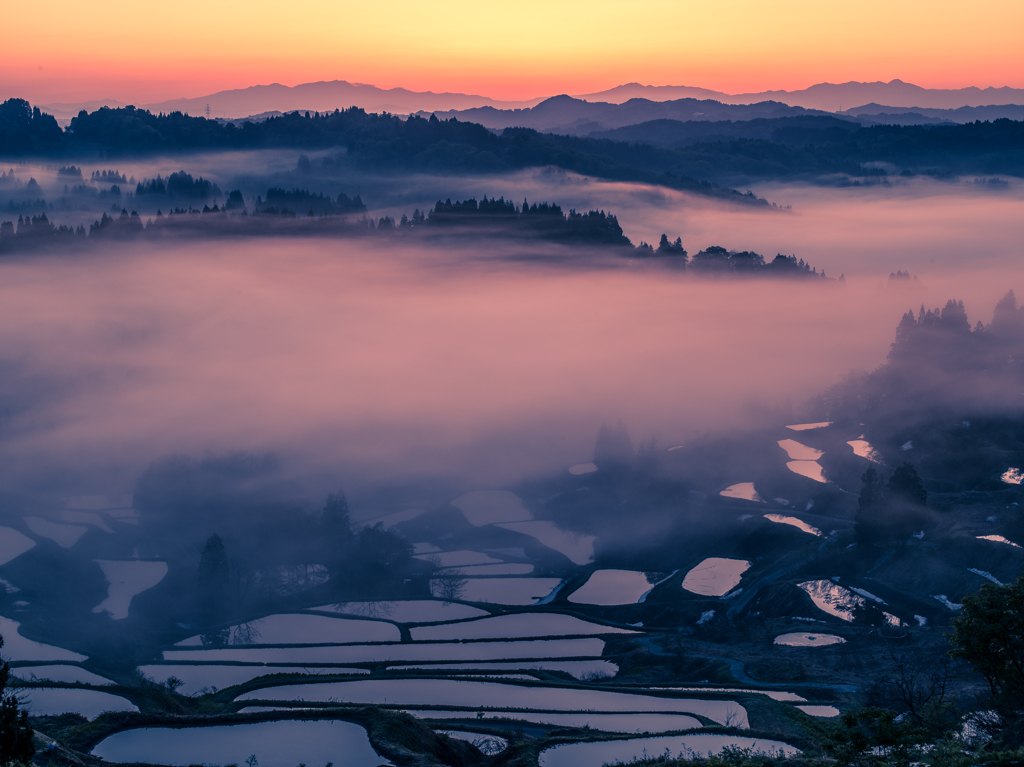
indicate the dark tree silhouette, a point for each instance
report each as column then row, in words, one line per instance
column 906, row 486
column 892, row 510
column 213, row 579
column 335, row 521
column 614, row 448
column 989, row 634
column 16, row 736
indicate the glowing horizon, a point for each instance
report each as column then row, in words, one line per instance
column 145, row 54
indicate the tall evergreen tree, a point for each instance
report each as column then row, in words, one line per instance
column 213, row 581
column 335, row 518
column 16, row 737
column 905, row 485
column 868, row 522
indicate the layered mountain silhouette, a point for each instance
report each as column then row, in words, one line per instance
column 894, row 97
column 829, row 97
column 315, row 97
column 571, row 116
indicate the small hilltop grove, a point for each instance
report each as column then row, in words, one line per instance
column 279, row 213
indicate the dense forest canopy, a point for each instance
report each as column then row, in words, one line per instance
column 665, row 152
column 380, row 142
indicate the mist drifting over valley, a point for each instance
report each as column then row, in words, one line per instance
column 480, row 363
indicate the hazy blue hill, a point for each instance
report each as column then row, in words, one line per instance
column 830, row 97
column 339, row 94
column 319, row 96
column 572, row 116
column 892, row 115
column 800, row 129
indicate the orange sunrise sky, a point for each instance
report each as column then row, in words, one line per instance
column 145, row 52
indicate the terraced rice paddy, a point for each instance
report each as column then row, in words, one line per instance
column 744, row 491
column 797, row 523
column 275, row 744
column 415, row 693
column 64, row 536
column 409, row 611
column 507, row 591
column 998, row 539
column 50, row 701
column 422, row 651
column 612, row 587
column 616, row 751
column 826, row 712
column 862, row 448
column 797, row 451
column 59, row 673
column 303, row 628
column 515, row 626
column 837, row 601
column 17, row 647
column 809, row 469
column 621, row 723
column 787, row 697
column 458, row 558
column 506, row 568
column 488, row 507
column 580, row 669
column 715, row 576
column 126, row 580
column 804, row 639
column 578, row 547
column 196, row 678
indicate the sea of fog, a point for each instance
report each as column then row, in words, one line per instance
column 367, row 362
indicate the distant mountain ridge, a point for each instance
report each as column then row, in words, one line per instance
column 958, row 115
column 324, row 96
column 572, row 116
column 829, row 97
column 338, row 94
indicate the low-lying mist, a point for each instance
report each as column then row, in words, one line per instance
column 359, row 362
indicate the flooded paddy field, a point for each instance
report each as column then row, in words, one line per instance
column 612, row 587
column 298, row 628
column 278, row 744
column 625, row 723
column 507, row 591
column 382, row 653
column 715, row 576
column 59, row 673
column 474, row 694
column 596, row 754
column 195, row 679
column 516, row 626
column 419, row 611
column 50, row 701
column 580, row 669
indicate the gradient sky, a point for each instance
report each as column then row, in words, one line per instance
column 74, row 50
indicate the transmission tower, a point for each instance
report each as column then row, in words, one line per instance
column 207, row 111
